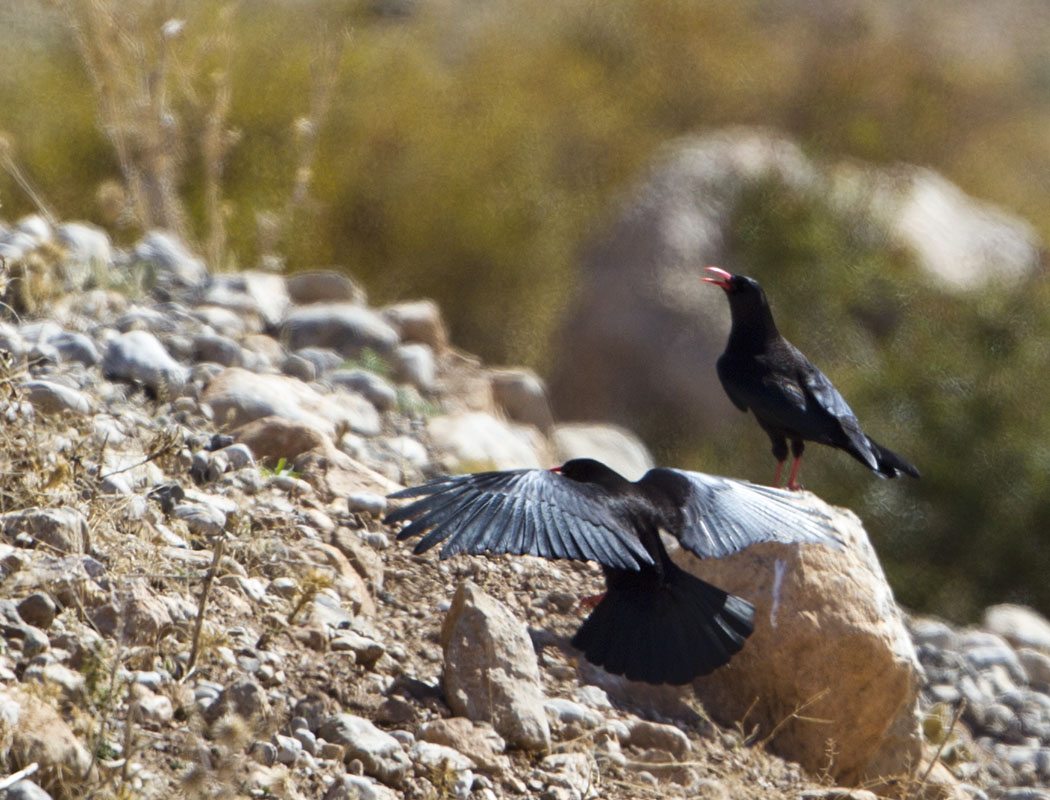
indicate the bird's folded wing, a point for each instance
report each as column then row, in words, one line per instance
column 722, row 515
column 533, row 512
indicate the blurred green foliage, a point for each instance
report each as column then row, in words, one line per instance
column 957, row 385
column 469, row 150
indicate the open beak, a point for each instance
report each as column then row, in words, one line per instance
column 719, row 277
column 555, row 470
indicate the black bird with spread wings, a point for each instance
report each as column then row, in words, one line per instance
column 656, row 622
column 791, row 399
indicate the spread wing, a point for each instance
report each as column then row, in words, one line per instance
column 722, row 516
column 533, row 512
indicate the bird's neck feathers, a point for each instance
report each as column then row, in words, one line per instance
column 753, row 324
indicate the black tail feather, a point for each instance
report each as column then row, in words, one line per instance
column 891, row 465
column 669, row 631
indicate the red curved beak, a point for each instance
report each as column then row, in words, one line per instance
column 719, row 277
column 556, row 470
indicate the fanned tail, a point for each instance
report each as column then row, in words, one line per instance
column 663, row 631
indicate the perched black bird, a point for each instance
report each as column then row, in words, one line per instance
column 656, row 622
column 791, row 398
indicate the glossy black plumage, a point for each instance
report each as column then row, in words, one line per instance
column 656, row 622
column 791, row 399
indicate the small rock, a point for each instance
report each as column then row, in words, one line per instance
column 379, row 752
column 571, row 771
column 491, row 672
column 307, row 739
column 215, row 349
column 1019, row 625
column 65, row 529
column 176, row 266
column 366, row 651
column 38, row 609
column 414, row 364
column 367, row 384
column 345, row 327
column 419, row 321
column 202, row 519
column 288, row 748
column 264, row 753
column 523, row 396
column 295, row 366
column 367, row 502
column 356, row 787
column 75, row 347
column 567, row 712
column 26, row 790
column 1036, row 665
column 323, row 286
column 138, row 357
column 153, row 710
column 648, row 735
column 48, row 397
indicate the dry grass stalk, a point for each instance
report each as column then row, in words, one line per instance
column 203, row 604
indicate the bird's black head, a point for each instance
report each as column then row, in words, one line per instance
column 587, row 470
column 734, row 285
column 747, row 301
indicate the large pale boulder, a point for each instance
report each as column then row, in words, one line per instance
column 491, row 672
column 640, row 341
column 830, row 673
column 958, row 240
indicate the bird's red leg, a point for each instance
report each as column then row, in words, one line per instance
column 590, row 602
column 776, row 477
column 793, row 483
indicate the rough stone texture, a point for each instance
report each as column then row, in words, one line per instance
column 249, row 293
column 238, row 396
column 610, row 444
column 137, row 617
column 523, row 397
column 64, row 529
column 490, row 670
column 138, row 356
column 365, row 560
column 1019, row 625
column 346, row 328
column 654, row 735
column 418, row 321
column 478, row 739
column 478, row 441
column 38, row 609
column 323, row 286
column 348, row 581
column 276, row 437
column 49, row 397
column 38, row 733
column 379, row 752
column 829, row 644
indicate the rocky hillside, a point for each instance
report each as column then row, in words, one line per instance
column 199, row 597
